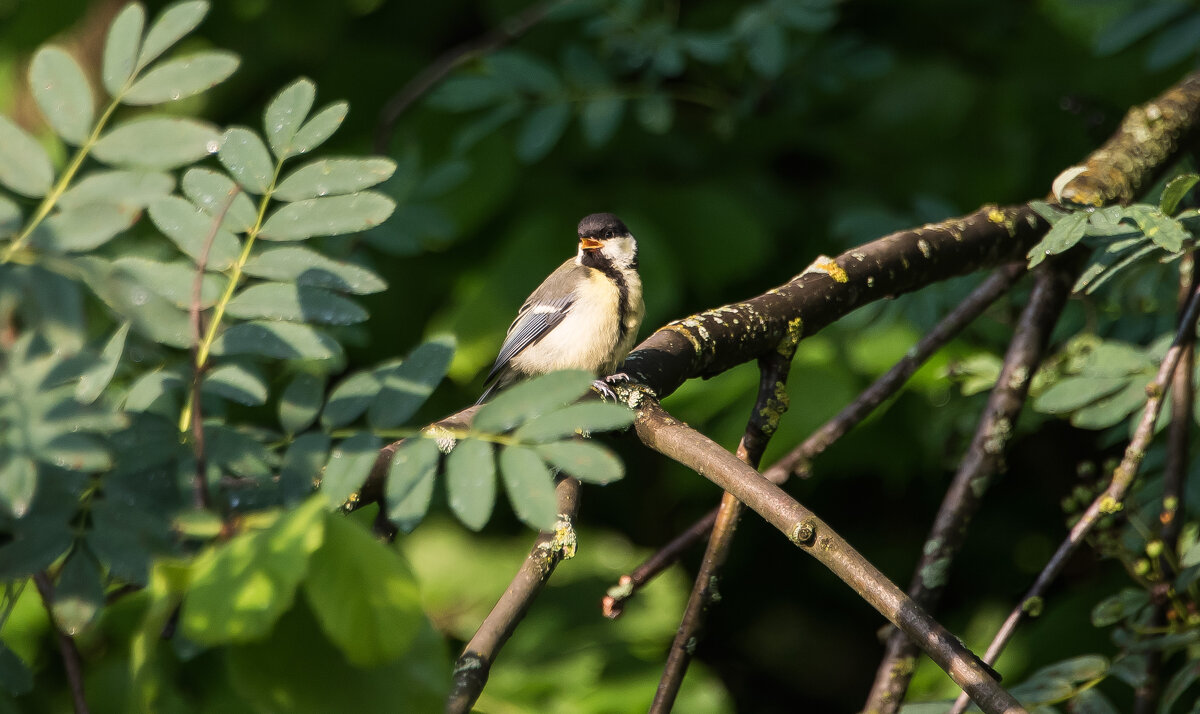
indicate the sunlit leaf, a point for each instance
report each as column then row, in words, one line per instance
column 81, row 229
column 410, row 482
column 301, row 402
column 152, row 387
column 331, row 216
column 239, row 382
column 405, row 388
column 531, row 399
column 193, row 230
column 333, row 177
column 1174, row 192
column 246, row 157
column 285, row 113
column 471, row 482
column 281, row 340
column 583, row 460
column 78, row 594
column 1062, row 236
column 1124, row 605
column 308, row 267
column 315, row 131
column 1071, row 393
column 350, row 398
column 129, row 190
column 93, row 381
column 1164, row 231
column 180, row 78
column 348, row 467
column 541, row 131
column 62, row 93
column 18, row 481
column 363, row 594
column 24, row 165
column 529, row 486
column 174, row 23
column 240, row 588
column 214, row 192
column 157, row 142
column 299, row 303
column 10, row 216
column 174, row 281
column 121, row 47
column 75, row 452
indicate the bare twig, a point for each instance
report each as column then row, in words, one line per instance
column 1111, row 500
column 983, row 460
column 200, row 494
column 798, row 459
column 1147, row 695
column 510, row 29
column 982, row 297
column 72, row 662
column 472, row 668
column 768, row 409
column 679, row 442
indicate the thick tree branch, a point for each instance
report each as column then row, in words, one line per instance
column 472, row 668
column 1150, row 135
column 983, row 461
column 679, row 442
column 72, row 663
column 768, row 409
column 1111, row 500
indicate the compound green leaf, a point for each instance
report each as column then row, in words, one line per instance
column 62, row 93
column 302, row 465
column 247, row 159
column 242, row 383
column 281, row 340
column 541, row 131
column 239, row 589
column 531, row 399
column 157, row 142
column 410, row 482
column 315, row 131
column 335, row 215
column 285, row 113
column 24, row 165
column 212, row 191
column 121, row 47
column 348, row 467
column 405, row 388
column 81, row 229
column 95, row 379
column 128, row 190
column 191, row 229
column 180, row 78
column 529, row 486
column 1062, row 236
column 78, row 594
column 173, row 281
column 471, row 482
column 350, row 398
column 363, row 594
column 576, row 418
column 298, row 303
column 172, row 25
column 18, row 482
column 333, row 177
column 301, row 402
column 583, row 460
column 308, row 267
column 1174, row 192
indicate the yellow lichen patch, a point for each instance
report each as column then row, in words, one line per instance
column 996, row 216
column 680, row 329
column 825, row 264
column 923, row 246
column 795, row 330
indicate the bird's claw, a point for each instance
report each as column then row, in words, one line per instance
column 605, row 386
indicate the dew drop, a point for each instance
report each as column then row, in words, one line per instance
column 212, row 146
column 139, row 297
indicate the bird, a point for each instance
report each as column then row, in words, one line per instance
column 585, row 315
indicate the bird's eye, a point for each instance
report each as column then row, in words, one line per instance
column 608, row 233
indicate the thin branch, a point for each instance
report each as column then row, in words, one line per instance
column 200, row 493
column 983, row 460
column 797, row 461
column 510, row 29
column 769, row 406
column 1147, row 695
column 981, row 298
column 72, row 662
column 1111, row 500
column 681, row 443
column 472, row 668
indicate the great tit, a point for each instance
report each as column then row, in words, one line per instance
column 585, row 315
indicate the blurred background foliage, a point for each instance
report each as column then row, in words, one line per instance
column 738, row 141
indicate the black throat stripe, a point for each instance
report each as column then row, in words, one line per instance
column 596, row 260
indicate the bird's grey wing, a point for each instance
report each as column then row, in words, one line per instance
column 534, row 321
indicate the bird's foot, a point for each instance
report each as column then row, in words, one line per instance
column 605, row 386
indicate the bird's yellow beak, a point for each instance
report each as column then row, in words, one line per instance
column 589, row 244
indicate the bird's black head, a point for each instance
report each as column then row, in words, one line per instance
column 599, row 226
